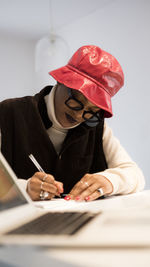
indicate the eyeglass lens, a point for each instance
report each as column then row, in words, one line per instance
column 75, row 104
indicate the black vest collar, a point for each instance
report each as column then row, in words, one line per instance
column 42, row 106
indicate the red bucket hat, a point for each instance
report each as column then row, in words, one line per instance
column 93, row 72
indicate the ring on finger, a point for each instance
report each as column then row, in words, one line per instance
column 100, row 190
column 41, row 185
column 44, row 178
column 43, row 194
column 86, row 183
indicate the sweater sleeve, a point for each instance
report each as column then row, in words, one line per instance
column 122, row 172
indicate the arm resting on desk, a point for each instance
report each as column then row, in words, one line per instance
column 124, row 174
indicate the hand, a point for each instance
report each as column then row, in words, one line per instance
column 42, row 182
column 87, row 187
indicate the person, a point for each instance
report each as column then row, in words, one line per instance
column 64, row 128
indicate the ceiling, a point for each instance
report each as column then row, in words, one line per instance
column 31, row 19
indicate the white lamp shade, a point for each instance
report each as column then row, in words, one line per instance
column 51, row 52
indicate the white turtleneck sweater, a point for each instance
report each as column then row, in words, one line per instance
column 56, row 133
column 122, row 172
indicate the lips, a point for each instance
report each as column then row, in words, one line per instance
column 70, row 119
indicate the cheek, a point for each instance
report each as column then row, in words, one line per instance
column 60, row 115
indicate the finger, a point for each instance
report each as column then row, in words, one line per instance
column 47, row 183
column 88, row 191
column 44, row 195
column 34, row 184
column 81, row 185
column 96, row 194
column 79, row 188
column 45, row 177
column 36, row 196
column 51, row 188
column 50, row 196
column 59, row 186
column 34, row 189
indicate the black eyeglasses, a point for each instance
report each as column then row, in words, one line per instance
column 91, row 118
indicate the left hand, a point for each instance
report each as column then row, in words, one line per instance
column 87, row 187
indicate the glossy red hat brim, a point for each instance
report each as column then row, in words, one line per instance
column 92, row 91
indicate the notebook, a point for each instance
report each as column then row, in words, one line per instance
column 60, row 223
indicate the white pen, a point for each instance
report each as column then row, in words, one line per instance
column 40, row 168
column 36, row 163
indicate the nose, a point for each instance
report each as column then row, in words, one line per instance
column 78, row 115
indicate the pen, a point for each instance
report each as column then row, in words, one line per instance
column 37, row 165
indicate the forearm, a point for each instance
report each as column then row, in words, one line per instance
column 125, row 179
column 124, row 174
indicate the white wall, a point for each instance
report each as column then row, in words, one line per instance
column 16, row 67
column 123, row 29
column 120, row 27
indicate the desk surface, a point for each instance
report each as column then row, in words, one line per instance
column 108, row 257
column 141, row 199
column 92, row 257
column 103, row 257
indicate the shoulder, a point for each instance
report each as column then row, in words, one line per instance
column 10, row 102
column 12, row 106
column 18, row 101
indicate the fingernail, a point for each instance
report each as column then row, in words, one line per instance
column 77, row 198
column 67, row 197
column 87, row 198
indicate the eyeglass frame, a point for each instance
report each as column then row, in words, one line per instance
column 99, row 117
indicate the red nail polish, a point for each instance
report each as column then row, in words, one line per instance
column 78, row 197
column 87, row 198
column 67, row 197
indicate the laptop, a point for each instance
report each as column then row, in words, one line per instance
column 60, row 223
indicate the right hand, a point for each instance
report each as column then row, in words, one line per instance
column 43, row 182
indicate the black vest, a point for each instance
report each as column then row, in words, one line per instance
column 23, row 123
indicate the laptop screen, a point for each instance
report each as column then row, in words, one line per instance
column 10, row 195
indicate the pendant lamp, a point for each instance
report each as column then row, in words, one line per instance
column 51, row 52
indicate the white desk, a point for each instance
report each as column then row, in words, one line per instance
column 110, row 257
column 102, row 257
column 97, row 257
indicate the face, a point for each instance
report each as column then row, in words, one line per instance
column 66, row 116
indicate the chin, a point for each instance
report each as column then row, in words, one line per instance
column 67, row 122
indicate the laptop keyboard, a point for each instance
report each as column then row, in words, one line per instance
column 57, row 223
